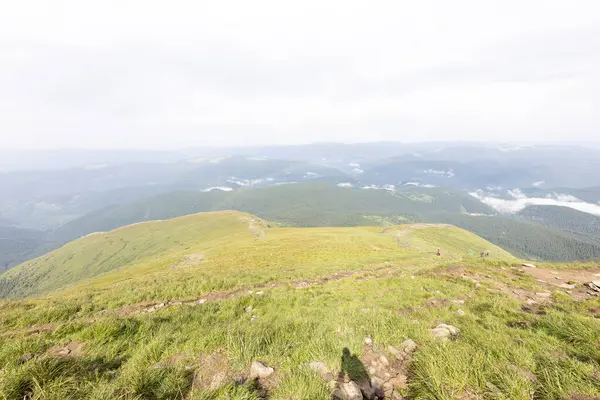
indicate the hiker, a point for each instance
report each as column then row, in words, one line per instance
column 439, row 253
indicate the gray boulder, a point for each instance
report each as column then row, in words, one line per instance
column 259, row 370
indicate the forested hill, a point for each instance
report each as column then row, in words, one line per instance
column 527, row 239
column 18, row 245
column 302, row 204
column 564, row 218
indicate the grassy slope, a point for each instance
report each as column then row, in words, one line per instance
column 398, row 289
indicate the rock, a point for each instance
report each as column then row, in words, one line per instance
column 461, row 313
column 332, row 385
column 259, row 370
column 558, row 278
column 368, row 341
column 366, row 389
column 372, row 371
column 408, row 346
column 458, row 301
column 253, row 318
column 440, row 333
column 453, row 330
column 161, row 305
column 594, row 285
column 399, row 382
column 260, row 293
column 350, row 391
column 528, row 265
column 541, row 281
column 377, row 382
column 249, row 309
column 26, row 357
column 530, row 302
column 384, row 360
column 321, row 369
column 567, row 286
column 444, row 332
column 396, row 353
column 569, row 292
column 396, row 396
column 201, row 301
column 544, row 295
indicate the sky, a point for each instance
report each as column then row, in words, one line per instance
column 164, row 75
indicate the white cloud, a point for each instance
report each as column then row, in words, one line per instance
column 520, row 201
column 222, row 188
column 133, row 73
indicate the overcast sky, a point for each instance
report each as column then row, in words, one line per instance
column 158, row 74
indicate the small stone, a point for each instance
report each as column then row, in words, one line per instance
column 453, row 330
column 557, row 277
column 377, row 382
column 368, row 341
column 569, row 292
column 444, row 332
column 201, row 301
column 249, row 309
column 372, row 371
column 396, row 396
column 544, row 294
column 384, row 360
column 161, row 305
column 461, row 313
column 366, row 389
column 408, row 346
column 530, row 302
column 458, row 301
column 567, row 286
column 260, row 293
column 351, row 391
column 529, row 265
column 26, row 357
column 399, row 382
column 253, row 318
column 321, row 369
column 396, row 353
column 541, row 281
column 259, row 370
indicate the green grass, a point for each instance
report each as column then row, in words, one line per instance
column 387, row 288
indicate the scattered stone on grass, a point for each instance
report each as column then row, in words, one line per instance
column 249, row 309
column 528, row 265
column 321, row 369
column 261, row 371
column 444, row 332
column 461, row 313
column 348, row 391
column 368, row 341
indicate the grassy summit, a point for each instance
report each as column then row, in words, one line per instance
column 181, row 308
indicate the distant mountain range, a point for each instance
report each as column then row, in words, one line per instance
column 50, row 198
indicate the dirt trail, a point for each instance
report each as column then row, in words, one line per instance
column 558, row 277
column 150, row 307
column 406, row 229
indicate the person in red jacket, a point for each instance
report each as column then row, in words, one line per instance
column 439, row 253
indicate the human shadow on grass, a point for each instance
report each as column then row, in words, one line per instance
column 352, row 368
